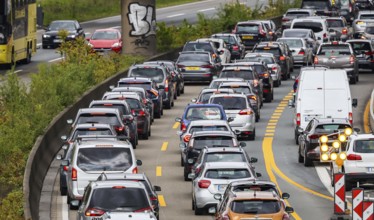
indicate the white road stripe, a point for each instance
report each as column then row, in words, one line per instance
column 57, row 59
column 324, row 176
column 208, row 9
column 176, row 15
column 64, row 208
column 17, row 71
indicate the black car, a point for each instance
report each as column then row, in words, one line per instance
column 128, row 116
column 51, row 37
column 252, row 32
column 309, row 148
column 234, row 44
column 161, row 75
column 322, row 7
column 152, row 89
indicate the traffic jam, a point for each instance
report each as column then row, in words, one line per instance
column 328, row 42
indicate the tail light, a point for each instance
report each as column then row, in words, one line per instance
column 135, row 170
column 313, row 136
column 74, row 174
column 351, row 60
column 187, row 138
column 66, row 168
column 119, row 128
column 153, row 198
column 354, row 157
column 368, row 53
column 324, row 35
column 166, row 86
column 282, row 58
column 94, row 212
column 204, row 184
column 183, row 127
column 344, row 31
column 235, row 48
column 298, row 119
column 274, row 68
column 350, row 118
column 144, row 209
column 246, row 112
column 301, row 52
column 255, row 83
column 285, row 19
column 266, row 75
column 141, row 113
column 253, row 97
column 315, row 60
column 207, row 66
column 286, row 217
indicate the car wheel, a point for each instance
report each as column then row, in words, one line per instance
column 357, row 76
column 276, row 83
column 280, row 82
column 252, row 136
column 300, row 158
column 172, row 103
column 198, row 211
column 146, row 134
column 168, row 104
column 179, row 90
column 182, row 91
column 63, row 191
column 352, row 80
column 133, row 143
column 158, row 114
column 296, row 139
column 162, row 110
column 268, row 97
column 182, row 161
column 149, row 132
column 272, row 95
column 307, row 161
column 193, row 205
column 186, row 176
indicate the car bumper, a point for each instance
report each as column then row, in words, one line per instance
column 204, row 199
column 360, row 177
column 142, row 125
column 365, row 64
column 350, row 72
column 196, row 77
column 299, row 59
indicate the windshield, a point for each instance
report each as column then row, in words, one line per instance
column 62, row 25
column 334, row 50
column 334, row 23
column 360, row 47
column 203, row 113
column 244, row 74
column 267, row 60
column 202, row 57
column 330, row 128
column 314, row 26
column 120, row 199
column 227, row 174
column 212, row 141
column 204, row 98
column 364, row 146
column 104, row 159
column 121, row 108
column 104, row 35
column 230, row 102
column 247, row 29
column 297, row 14
column 133, row 103
column 292, row 43
column 199, row 47
column 225, row 157
column 155, row 74
column 111, row 119
column 91, row 131
column 146, row 86
column 256, row 206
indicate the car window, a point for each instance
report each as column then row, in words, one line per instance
column 91, row 131
column 212, row 141
column 227, row 174
column 335, row 23
column 134, row 103
column 267, row 60
column 237, row 89
column 104, row 159
column 244, row 74
column 272, row 50
column 204, row 98
column 256, row 206
column 367, row 16
column 208, row 128
column 225, row 157
column 247, row 29
column 155, row 74
column 230, row 102
column 119, row 199
column 297, row 14
column 314, row 26
column 199, row 47
column 120, row 107
column 203, row 113
column 292, row 42
column 301, row 34
column 111, row 119
column 145, row 85
column 194, row 57
column 360, row 47
column 330, row 128
column 61, row 25
column 364, row 146
column 369, row 30
column 315, row 4
column 334, row 50
column 104, row 35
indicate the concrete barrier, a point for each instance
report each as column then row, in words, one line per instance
column 371, row 114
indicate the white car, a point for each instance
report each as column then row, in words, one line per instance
column 214, row 178
column 221, row 46
column 359, row 165
column 316, row 23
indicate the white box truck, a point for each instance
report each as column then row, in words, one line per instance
column 321, row 93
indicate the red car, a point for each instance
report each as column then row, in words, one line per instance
column 104, row 40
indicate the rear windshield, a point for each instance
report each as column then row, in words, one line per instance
column 244, row 74
column 118, row 199
column 204, row 113
column 155, row 74
column 330, row 128
column 145, row 85
column 301, row 34
column 91, row 131
column 227, row 39
column 335, row 23
column 199, row 47
column 292, row 43
column 315, row 4
column 104, row 159
column 297, row 14
column 367, row 16
column 256, row 206
column 202, row 57
column 208, row 128
column 133, row 103
column 212, row 141
column 230, row 102
column 314, row 26
column 271, row 50
column 360, row 47
column 111, row 119
column 334, row 50
column 267, row 60
column 264, row 188
column 204, row 98
column 237, row 89
column 247, row 29
column 369, row 30
column 227, row 174
column 121, row 108
column 364, row 146
column 225, row 157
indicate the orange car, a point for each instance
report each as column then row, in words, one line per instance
column 253, row 205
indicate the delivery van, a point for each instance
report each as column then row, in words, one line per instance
column 321, row 93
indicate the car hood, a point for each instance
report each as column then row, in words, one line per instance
column 103, row 43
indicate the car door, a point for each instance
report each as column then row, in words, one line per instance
column 303, row 138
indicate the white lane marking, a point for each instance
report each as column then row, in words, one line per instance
column 208, row 9
column 64, row 208
column 176, row 15
column 17, row 71
column 57, row 59
column 324, row 176
column 116, row 27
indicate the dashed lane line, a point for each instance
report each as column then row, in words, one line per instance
column 176, row 125
column 161, row 200
column 158, row 171
column 164, row 146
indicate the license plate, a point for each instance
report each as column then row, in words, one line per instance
column 192, row 68
column 222, row 187
column 247, row 37
column 57, row 41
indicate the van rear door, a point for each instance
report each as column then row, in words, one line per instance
column 312, row 107
column 336, row 104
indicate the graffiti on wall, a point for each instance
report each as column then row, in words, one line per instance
column 143, row 22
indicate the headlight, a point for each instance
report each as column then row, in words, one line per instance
column 71, row 36
column 46, row 36
column 116, row 45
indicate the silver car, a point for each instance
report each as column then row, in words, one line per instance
column 116, row 200
column 238, row 108
column 302, row 53
column 205, row 94
column 363, row 19
column 216, row 82
column 293, row 13
column 306, row 34
column 338, row 29
column 214, row 178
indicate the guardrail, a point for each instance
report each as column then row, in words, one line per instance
column 371, row 115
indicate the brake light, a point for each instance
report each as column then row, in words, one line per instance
column 324, row 35
column 144, row 209
column 74, row 174
column 282, row 58
column 285, row 19
column 135, row 170
column 354, row 157
column 246, row 112
column 335, row 42
column 301, row 52
column 315, row 60
column 166, row 85
column 187, row 138
column 368, row 53
column 204, row 184
column 66, row 168
column 274, row 68
column 153, row 198
column 141, row 113
column 350, row 118
column 207, row 66
column 313, row 136
column 235, row 47
column 253, row 97
column 298, row 119
column 119, row 128
column 266, row 75
column 344, row 31
column 351, row 60
column 183, row 127
column 94, row 212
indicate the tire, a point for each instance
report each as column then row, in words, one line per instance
column 252, row 136
column 296, row 139
column 353, row 80
column 158, row 113
column 149, row 132
column 175, row 95
column 182, row 161
column 307, row 162
column 63, row 191
column 276, row 83
column 269, row 97
column 193, row 205
column 133, row 143
column 198, row 211
column 68, row 200
column 185, row 174
column 168, row 104
column 257, row 117
column 146, row 135
column 179, row 91
column 300, row 158
column 182, row 91
column 44, row 47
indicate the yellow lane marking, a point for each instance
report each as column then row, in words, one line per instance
column 164, row 146
column 269, row 134
column 161, row 200
column 277, row 113
column 270, row 127
column 283, row 105
column 272, row 123
column 275, row 116
column 366, row 118
column 158, row 171
column 270, row 131
column 288, row 96
column 273, row 120
column 176, row 125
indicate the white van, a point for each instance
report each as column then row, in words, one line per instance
column 321, row 93
column 316, row 23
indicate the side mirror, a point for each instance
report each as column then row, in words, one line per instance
column 354, row 103
column 253, row 160
column 289, row 209
column 156, row 188
column 65, row 163
column 64, row 147
column 242, row 144
column 74, row 203
column 64, row 137
column 191, row 176
column 258, row 174
column 178, row 119
column 285, row 196
column 179, row 133
column 59, row 157
column 69, row 121
column 194, row 100
column 291, row 103
column 139, row 162
column 217, row 196
column 300, row 130
column 215, row 77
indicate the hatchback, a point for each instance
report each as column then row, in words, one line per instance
column 216, row 82
column 106, row 40
column 315, row 23
column 364, row 51
column 338, row 29
column 233, row 43
column 251, row 32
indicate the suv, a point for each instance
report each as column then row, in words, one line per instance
column 364, row 52
column 233, row 43
column 92, row 156
column 220, row 44
column 359, row 165
column 251, row 32
column 152, row 90
column 338, row 29
column 128, row 117
column 116, row 199
column 322, row 7
column 293, row 13
column 161, row 75
column 364, row 18
column 315, row 23
column 51, row 37
column 308, row 139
